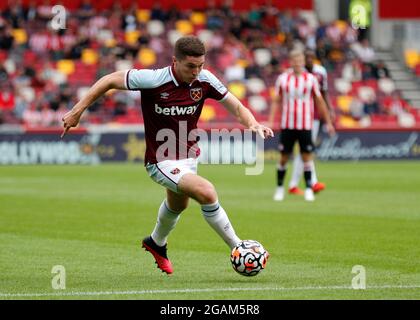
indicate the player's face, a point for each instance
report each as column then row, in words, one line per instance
column 188, row 68
column 309, row 58
column 297, row 62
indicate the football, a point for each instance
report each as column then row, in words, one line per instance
column 249, row 257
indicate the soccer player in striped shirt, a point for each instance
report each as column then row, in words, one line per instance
column 321, row 74
column 171, row 100
column 297, row 92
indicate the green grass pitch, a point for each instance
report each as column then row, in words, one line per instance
column 90, row 219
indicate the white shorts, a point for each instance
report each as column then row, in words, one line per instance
column 168, row 173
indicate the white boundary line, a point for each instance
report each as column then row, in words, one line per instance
column 144, row 292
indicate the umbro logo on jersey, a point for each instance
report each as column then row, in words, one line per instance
column 164, row 95
column 175, row 171
column 175, row 110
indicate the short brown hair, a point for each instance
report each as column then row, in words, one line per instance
column 189, row 46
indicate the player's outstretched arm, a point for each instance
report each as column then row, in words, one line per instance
column 245, row 117
column 114, row 80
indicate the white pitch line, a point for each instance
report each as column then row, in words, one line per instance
column 143, row 292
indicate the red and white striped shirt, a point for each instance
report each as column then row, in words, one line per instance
column 297, row 94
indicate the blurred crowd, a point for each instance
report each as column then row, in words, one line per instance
column 44, row 71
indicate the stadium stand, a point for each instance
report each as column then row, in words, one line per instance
column 44, row 72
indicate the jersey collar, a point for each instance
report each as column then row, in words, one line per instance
column 176, row 80
column 173, row 75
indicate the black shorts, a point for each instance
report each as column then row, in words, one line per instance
column 288, row 138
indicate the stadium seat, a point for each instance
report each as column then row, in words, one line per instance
column 28, row 93
column 343, row 103
column 184, row 27
column 386, row 85
column 234, row 73
column 155, row 28
column 131, row 37
column 20, row 36
column 347, row 122
column 208, row 113
column 281, row 37
column 173, row 36
column 147, row 57
column 342, row 86
column 365, row 93
column 143, row 15
column 205, row 35
column 255, row 85
column 198, row 18
column 258, row 103
column 65, row 66
column 238, row 89
column 104, row 35
column 81, row 92
column 89, row 57
column 406, row 120
column 412, row 57
column 262, row 57
column 121, row 65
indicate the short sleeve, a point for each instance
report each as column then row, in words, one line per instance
column 137, row 79
column 315, row 87
column 217, row 90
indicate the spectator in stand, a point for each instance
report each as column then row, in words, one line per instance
column 15, row 14
column 86, row 10
column 7, row 97
column 380, row 71
column 157, row 13
column 395, row 105
column 371, row 105
column 44, row 11
column 6, row 37
column 104, row 32
column 367, row 71
column 364, row 51
column 254, row 16
column 352, row 70
column 356, row 108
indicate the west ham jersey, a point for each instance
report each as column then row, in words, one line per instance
column 321, row 75
column 171, row 109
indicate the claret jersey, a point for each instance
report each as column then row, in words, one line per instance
column 171, row 109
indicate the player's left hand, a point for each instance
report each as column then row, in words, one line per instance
column 263, row 131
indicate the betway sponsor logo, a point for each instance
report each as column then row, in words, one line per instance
column 175, row 110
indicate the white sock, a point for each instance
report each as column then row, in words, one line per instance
column 314, row 177
column 297, row 171
column 217, row 218
column 166, row 221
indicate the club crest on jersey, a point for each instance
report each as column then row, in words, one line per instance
column 175, row 171
column 196, row 94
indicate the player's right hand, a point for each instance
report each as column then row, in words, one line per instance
column 330, row 129
column 70, row 119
